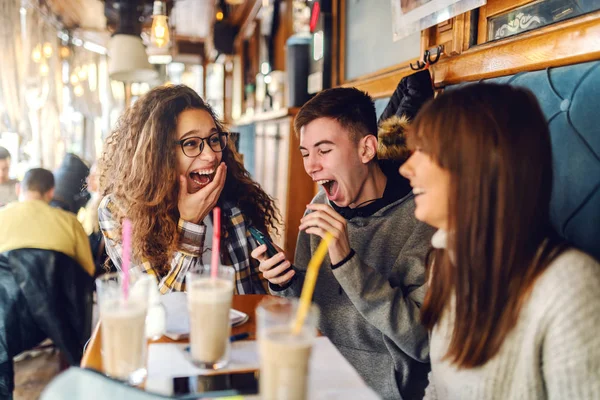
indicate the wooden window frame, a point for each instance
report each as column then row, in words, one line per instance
column 492, row 9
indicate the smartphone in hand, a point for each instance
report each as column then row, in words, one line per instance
column 263, row 239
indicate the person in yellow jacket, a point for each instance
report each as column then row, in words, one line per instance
column 33, row 223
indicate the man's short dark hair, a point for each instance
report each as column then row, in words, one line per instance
column 4, row 154
column 353, row 109
column 37, row 180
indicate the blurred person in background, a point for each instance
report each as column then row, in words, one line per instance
column 33, row 223
column 70, row 193
column 8, row 191
column 88, row 216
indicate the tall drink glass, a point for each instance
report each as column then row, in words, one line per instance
column 123, row 322
column 209, row 301
column 284, row 356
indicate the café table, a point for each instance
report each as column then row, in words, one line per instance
column 247, row 303
column 331, row 376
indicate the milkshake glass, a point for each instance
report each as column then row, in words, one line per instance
column 209, row 301
column 123, row 324
column 284, row 356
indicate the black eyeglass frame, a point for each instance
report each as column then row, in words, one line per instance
column 202, row 140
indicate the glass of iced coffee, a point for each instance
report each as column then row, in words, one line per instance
column 123, row 324
column 209, row 301
column 284, row 355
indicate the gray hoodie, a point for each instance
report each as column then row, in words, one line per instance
column 370, row 304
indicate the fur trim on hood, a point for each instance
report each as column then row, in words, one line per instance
column 391, row 139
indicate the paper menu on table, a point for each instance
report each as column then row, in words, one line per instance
column 178, row 321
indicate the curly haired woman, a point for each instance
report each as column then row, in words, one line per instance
column 165, row 167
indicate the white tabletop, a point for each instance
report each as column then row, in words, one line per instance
column 330, row 375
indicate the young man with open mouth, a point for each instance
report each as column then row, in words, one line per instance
column 371, row 286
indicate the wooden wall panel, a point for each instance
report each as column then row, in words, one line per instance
column 301, row 190
column 335, row 44
column 496, row 7
column 382, row 85
column 284, row 31
column 341, row 71
column 227, row 93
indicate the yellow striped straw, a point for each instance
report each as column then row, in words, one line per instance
column 309, row 283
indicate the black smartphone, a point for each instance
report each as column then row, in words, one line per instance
column 218, row 385
column 261, row 238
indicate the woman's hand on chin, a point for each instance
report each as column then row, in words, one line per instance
column 194, row 207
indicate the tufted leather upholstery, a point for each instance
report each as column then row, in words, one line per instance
column 570, row 99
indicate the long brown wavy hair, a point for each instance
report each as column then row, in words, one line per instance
column 138, row 168
column 494, row 141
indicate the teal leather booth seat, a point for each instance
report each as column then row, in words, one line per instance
column 570, row 99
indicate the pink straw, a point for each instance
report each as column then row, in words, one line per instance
column 216, row 242
column 126, row 255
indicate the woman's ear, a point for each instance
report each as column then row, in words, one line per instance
column 368, row 148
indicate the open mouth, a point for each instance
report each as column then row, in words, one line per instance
column 330, row 186
column 418, row 191
column 202, row 177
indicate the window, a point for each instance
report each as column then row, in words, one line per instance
column 537, row 14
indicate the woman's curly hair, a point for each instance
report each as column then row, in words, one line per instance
column 138, row 168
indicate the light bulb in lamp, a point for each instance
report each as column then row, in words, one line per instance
column 159, row 35
column 82, row 73
column 78, row 90
column 47, row 49
column 36, row 54
column 44, row 69
column 64, row 52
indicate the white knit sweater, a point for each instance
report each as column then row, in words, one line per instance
column 552, row 353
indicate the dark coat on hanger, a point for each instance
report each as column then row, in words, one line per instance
column 410, row 94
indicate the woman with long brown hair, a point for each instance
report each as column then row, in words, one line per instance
column 167, row 164
column 513, row 310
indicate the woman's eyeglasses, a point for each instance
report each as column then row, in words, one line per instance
column 193, row 146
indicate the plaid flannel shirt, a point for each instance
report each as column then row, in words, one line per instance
column 236, row 246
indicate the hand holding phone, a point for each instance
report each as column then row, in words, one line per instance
column 263, row 239
column 273, row 264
